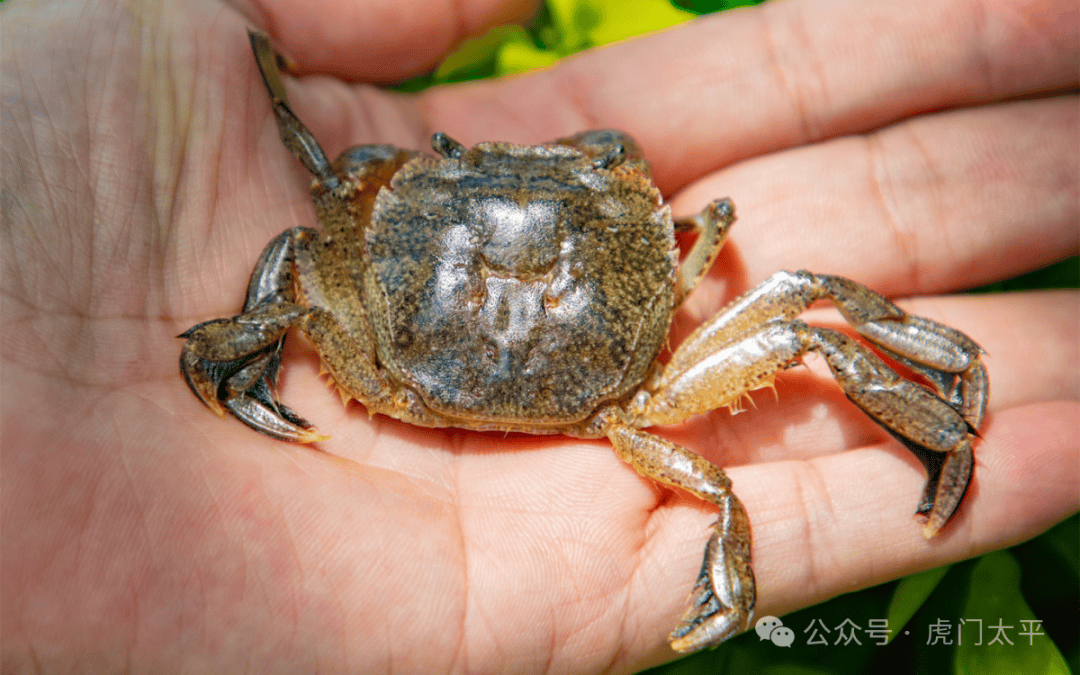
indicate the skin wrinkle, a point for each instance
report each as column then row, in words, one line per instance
column 646, row 544
column 460, row 657
column 56, row 367
column 46, row 185
column 547, row 665
column 619, row 653
column 79, row 554
column 217, row 513
column 576, row 89
column 133, row 574
column 339, row 600
column 34, row 659
column 862, row 575
column 179, row 168
column 30, row 234
column 85, row 151
column 141, row 527
column 170, row 252
column 932, row 178
column 287, row 605
column 305, row 575
column 164, row 131
column 101, row 167
column 891, row 215
column 815, row 503
column 980, row 23
column 791, row 82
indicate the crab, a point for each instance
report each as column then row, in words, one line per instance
column 530, row 289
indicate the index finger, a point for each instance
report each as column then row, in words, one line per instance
column 379, row 40
column 742, row 83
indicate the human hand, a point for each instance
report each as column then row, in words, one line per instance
column 142, row 175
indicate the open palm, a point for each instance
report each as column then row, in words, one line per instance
column 142, row 175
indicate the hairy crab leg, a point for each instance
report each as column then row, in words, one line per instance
column 722, row 602
column 945, row 356
column 294, row 134
column 744, row 347
column 711, row 226
column 910, row 412
column 746, row 344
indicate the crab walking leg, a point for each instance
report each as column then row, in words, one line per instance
column 722, row 602
column 914, row 414
column 294, row 134
column 232, row 364
column 711, row 226
column 923, row 420
column 945, row 356
column 949, row 360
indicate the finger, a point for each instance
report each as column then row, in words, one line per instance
column 1031, row 341
column 810, row 417
column 740, row 84
column 380, row 40
column 840, row 523
column 941, row 202
column 848, row 518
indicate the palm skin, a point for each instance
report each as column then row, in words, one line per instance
column 142, row 175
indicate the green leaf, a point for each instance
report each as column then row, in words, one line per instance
column 1061, row 539
column 520, row 55
column 910, row 594
column 995, row 599
column 561, row 28
column 709, row 6
column 573, row 19
column 594, row 22
column 476, row 57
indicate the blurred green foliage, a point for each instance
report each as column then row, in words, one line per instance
column 933, row 618
column 560, row 28
column 1063, row 274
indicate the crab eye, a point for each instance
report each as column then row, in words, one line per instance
column 446, row 146
column 612, row 158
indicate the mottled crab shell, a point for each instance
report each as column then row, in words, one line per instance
column 520, row 283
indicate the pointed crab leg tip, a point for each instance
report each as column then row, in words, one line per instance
column 707, row 623
column 682, row 646
column 689, row 643
column 931, row 527
column 702, row 636
column 310, row 436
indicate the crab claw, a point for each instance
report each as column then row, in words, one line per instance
column 273, row 419
column 722, row 602
column 232, row 365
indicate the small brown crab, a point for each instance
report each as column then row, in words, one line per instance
column 530, row 288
